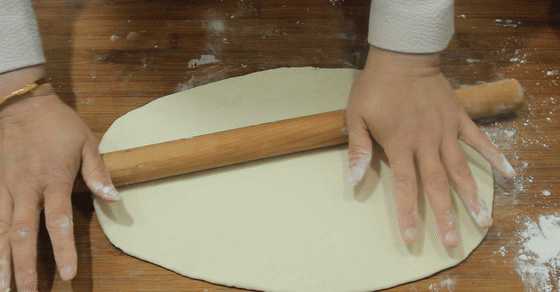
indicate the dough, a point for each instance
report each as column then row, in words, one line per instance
column 283, row 224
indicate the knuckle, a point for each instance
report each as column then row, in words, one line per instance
column 460, row 171
column 358, row 153
column 446, row 218
column 59, row 222
column 4, row 228
column 28, row 279
column 93, row 169
column 60, row 187
column 436, row 183
column 403, row 183
column 407, row 210
column 397, row 145
column 62, row 249
column 20, row 231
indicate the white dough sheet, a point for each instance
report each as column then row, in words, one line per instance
column 291, row 223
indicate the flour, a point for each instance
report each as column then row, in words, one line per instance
column 518, row 57
column 447, row 284
column 336, row 2
column 502, row 251
column 546, row 193
column 538, row 257
column 132, row 36
column 507, row 23
column 472, row 60
column 114, row 37
column 203, row 60
column 506, row 139
column 216, row 26
column 552, row 72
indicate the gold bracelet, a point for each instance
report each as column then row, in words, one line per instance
column 24, row 90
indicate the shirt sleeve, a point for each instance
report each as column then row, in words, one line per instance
column 411, row 26
column 20, row 42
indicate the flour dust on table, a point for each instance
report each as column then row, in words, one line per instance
column 284, row 224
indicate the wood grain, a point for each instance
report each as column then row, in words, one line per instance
column 107, row 57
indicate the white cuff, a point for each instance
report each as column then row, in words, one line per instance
column 20, row 43
column 411, row 26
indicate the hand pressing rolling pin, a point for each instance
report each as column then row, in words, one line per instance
column 402, row 100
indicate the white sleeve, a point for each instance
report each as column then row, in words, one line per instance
column 20, row 43
column 411, row 26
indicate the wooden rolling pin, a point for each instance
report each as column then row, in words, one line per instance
column 235, row 146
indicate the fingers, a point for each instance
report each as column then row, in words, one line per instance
column 406, row 192
column 58, row 216
column 436, row 188
column 5, row 256
column 359, row 149
column 23, row 238
column 95, row 173
column 460, row 174
column 473, row 136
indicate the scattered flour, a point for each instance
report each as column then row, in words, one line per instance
column 184, row 86
column 336, row 2
column 552, row 72
column 447, row 284
column 518, row 57
column 538, row 258
column 216, row 25
column 472, row 60
column 504, row 138
column 132, row 36
column 203, row 60
column 546, row 193
column 114, row 37
column 508, row 23
column 503, row 251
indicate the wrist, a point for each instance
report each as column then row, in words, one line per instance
column 14, row 80
column 404, row 64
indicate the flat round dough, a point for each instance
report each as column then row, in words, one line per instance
column 283, row 224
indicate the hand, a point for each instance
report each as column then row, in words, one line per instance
column 43, row 145
column 406, row 104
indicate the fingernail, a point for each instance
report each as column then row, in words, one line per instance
column 451, row 238
column 67, row 272
column 409, row 235
column 358, row 167
column 483, row 217
column 503, row 182
column 107, row 191
column 506, row 166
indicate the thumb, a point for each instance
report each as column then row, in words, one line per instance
column 95, row 174
column 359, row 149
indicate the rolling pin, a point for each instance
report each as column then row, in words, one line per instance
column 152, row 162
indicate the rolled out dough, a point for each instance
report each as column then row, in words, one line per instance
column 283, row 224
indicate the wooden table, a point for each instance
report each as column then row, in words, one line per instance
column 107, row 57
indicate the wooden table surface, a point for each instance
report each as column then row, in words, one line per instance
column 107, row 57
